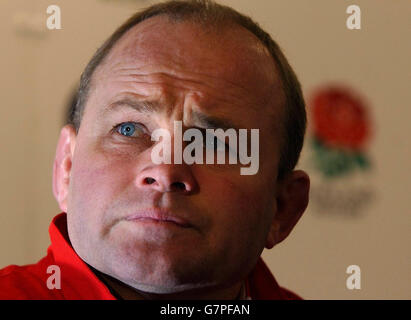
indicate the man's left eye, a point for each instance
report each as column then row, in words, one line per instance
column 130, row 129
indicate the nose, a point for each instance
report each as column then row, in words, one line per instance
column 168, row 178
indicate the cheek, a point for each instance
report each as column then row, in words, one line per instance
column 241, row 209
column 96, row 180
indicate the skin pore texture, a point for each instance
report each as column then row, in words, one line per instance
column 103, row 179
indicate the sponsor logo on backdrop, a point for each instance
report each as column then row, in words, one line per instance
column 340, row 135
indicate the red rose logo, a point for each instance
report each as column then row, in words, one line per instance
column 340, row 119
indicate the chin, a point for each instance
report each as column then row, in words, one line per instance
column 163, row 276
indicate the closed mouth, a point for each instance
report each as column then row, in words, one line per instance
column 160, row 216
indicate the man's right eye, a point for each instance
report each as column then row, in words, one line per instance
column 130, row 129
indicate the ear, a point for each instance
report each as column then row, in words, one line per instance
column 62, row 165
column 292, row 200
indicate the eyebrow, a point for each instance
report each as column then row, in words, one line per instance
column 143, row 106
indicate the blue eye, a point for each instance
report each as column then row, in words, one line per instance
column 128, row 129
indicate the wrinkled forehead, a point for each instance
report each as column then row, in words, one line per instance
column 230, row 54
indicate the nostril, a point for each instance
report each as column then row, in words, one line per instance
column 173, row 187
column 178, row 186
column 149, row 180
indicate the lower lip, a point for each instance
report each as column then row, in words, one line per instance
column 159, row 223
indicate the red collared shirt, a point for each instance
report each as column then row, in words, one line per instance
column 78, row 281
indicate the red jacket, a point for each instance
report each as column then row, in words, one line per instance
column 79, row 282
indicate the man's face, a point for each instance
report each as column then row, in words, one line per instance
column 187, row 74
